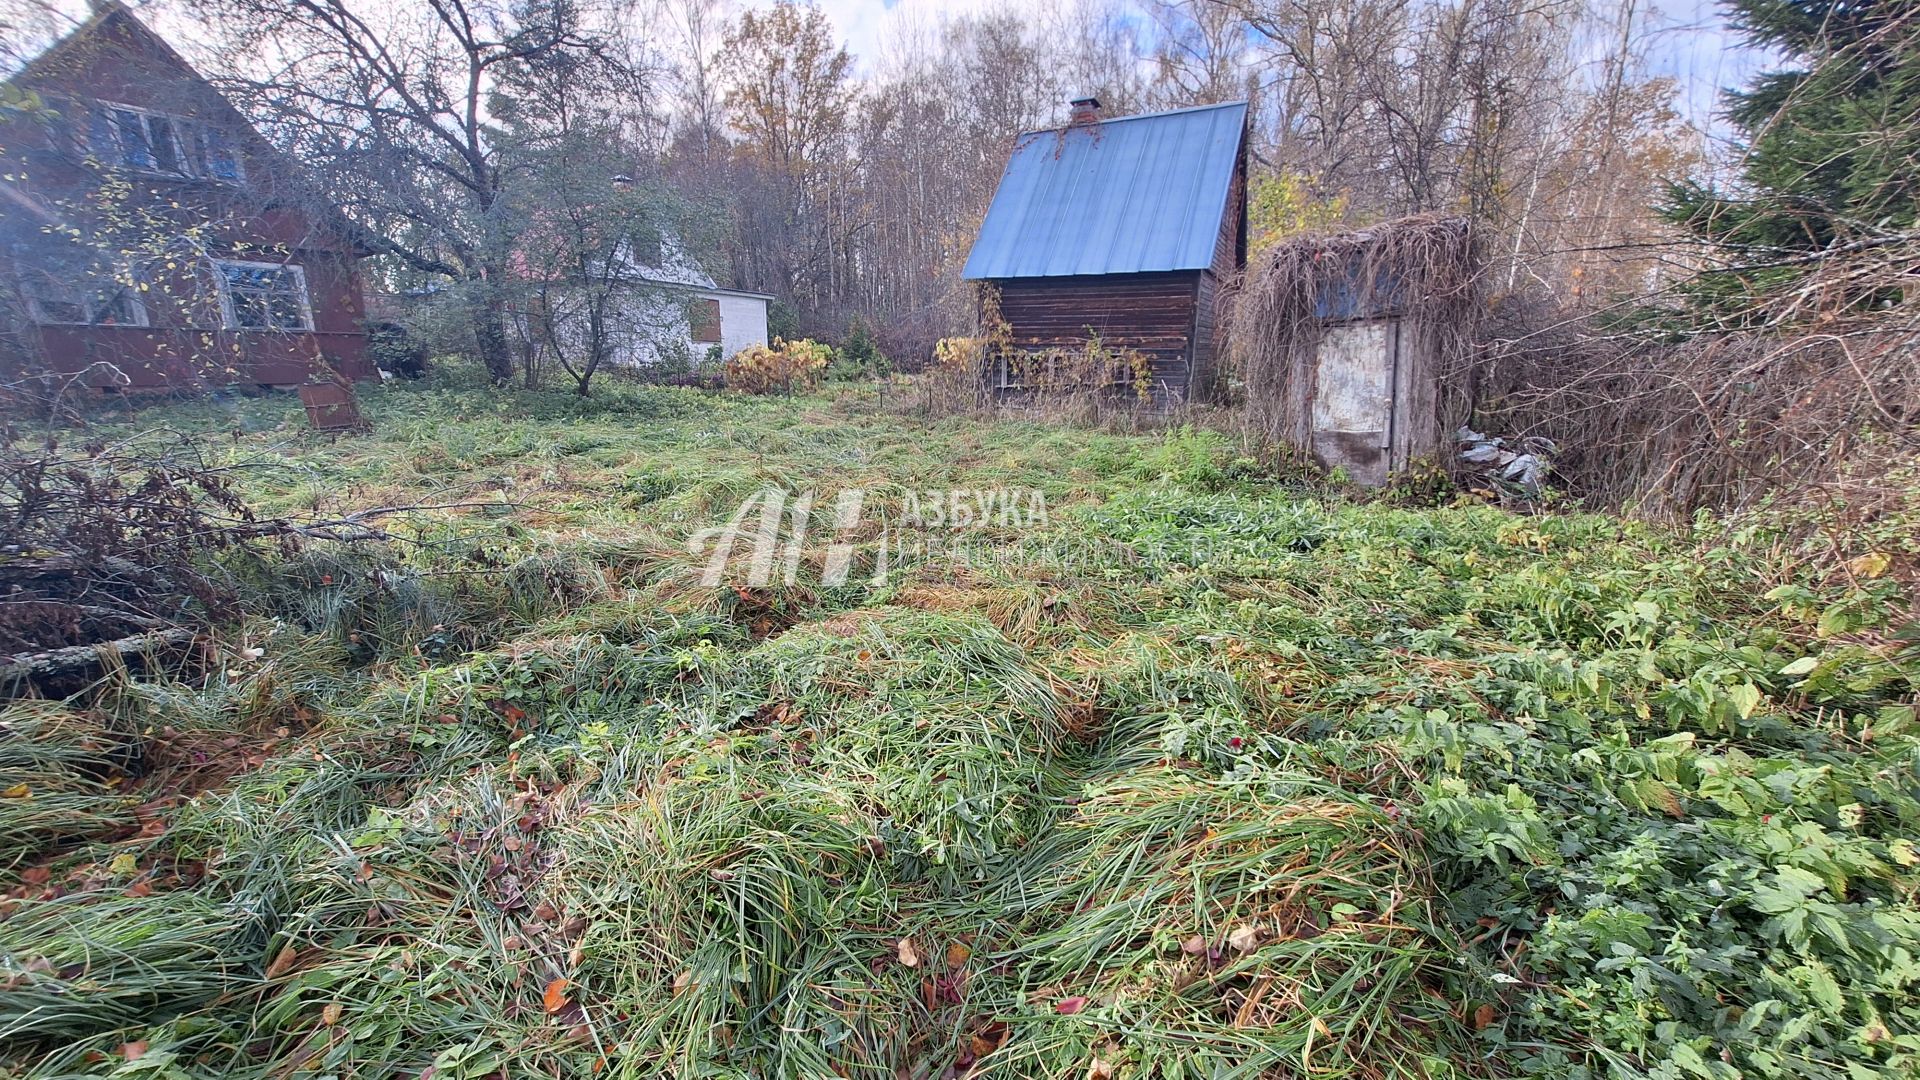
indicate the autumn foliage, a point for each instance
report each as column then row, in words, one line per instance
column 786, row 366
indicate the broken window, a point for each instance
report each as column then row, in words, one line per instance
column 82, row 302
column 264, row 296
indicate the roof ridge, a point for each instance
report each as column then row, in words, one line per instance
column 1104, row 121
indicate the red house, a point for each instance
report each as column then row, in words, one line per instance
column 150, row 238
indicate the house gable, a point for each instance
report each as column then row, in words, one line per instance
column 211, row 264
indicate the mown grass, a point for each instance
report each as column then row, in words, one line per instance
column 1211, row 774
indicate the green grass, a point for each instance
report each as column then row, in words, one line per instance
column 1214, row 774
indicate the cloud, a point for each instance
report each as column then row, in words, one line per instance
column 1691, row 43
column 870, row 28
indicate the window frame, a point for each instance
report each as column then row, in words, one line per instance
column 229, row 315
column 36, row 307
column 189, row 137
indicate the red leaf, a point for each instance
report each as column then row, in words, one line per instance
column 1069, row 1006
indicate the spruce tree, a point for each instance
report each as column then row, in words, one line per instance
column 1832, row 140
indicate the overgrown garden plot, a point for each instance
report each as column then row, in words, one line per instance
column 1213, row 775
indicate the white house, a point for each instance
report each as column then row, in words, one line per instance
column 680, row 304
column 663, row 311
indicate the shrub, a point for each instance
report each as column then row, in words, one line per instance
column 786, row 366
column 859, row 357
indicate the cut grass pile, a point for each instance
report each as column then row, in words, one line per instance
column 1206, row 776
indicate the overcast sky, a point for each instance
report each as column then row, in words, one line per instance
column 1686, row 39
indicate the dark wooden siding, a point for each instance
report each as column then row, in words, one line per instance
column 1229, row 258
column 1150, row 313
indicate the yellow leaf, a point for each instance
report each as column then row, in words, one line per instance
column 123, row 863
column 17, row 791
column 1871, row 565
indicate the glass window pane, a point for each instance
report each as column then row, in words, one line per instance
column 60, row 311
column 223, row 162
column 166, row 153
column 102, row 137
column 285, row 312
column 134, row 150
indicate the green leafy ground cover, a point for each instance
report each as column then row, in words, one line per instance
column 1211, row 776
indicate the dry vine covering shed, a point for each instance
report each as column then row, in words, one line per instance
column 1117, row 233
column 1355, row 346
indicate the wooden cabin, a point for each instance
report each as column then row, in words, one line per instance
column 151, row 239
column 1124, row 230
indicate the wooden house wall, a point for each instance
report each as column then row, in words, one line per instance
column 266, row 218
column 1229, row 258
column 1150, row 313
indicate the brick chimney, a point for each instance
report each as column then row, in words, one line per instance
column 1086, row 110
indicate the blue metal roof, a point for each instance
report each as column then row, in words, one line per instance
column 1122, row 196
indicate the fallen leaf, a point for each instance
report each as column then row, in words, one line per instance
column 908, row 955
column 1482, row 1017
column 988, row 1039
column 957, row 955
column 365, row 873
column 1069, row 1006
column 1871, row 565
column 1244, row 939
column 17, row 791
column 555, row 998
column 1099, row 1069
column 682, row 980
column 331, row 1014
column 1194, row 945
column 132, row 1050
column 36, row 875
column 284, row 962
column 143, row 887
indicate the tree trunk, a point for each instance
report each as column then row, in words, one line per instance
column 490, row 334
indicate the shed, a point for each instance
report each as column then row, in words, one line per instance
column 1121, row 230
column 1355, row 346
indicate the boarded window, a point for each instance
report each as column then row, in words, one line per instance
column 705, row 318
